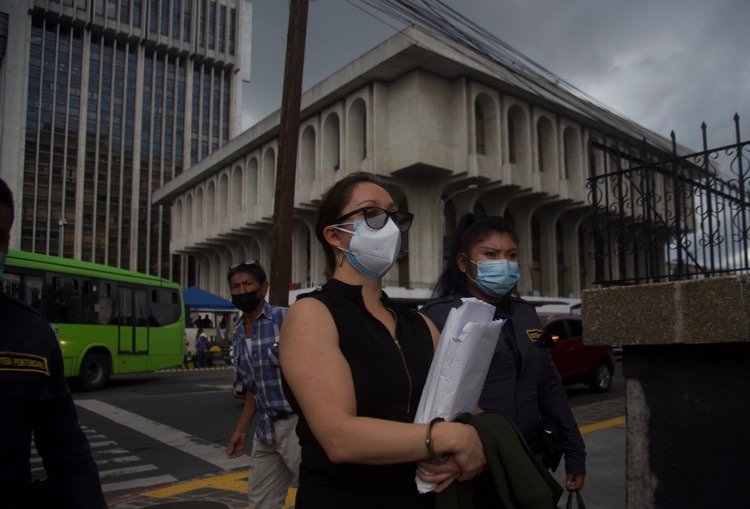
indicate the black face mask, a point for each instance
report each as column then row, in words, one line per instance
column 246, row 302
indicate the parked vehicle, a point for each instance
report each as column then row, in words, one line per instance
column 577, row 362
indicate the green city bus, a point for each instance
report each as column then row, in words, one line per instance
column 107, row 320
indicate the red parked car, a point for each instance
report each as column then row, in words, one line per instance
column 576, row 362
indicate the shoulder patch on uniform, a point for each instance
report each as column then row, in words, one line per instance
column 534, row 334
column 17, row 361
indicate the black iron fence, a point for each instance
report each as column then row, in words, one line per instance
column 682, row 217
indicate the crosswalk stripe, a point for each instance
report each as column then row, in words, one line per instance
column 113, row 451
column 137, row 483
column 101, row 444
column 211, row 453
column 123, row 459
column 126, row 470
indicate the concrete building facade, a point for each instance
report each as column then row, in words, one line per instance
column 105, row 101
column 447, row 131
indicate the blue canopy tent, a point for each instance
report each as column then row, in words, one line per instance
column 198, row 299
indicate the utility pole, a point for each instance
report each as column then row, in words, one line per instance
column 286, row 169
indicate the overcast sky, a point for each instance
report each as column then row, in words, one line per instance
column 667, row 64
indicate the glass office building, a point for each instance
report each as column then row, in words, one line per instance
column 113, row 99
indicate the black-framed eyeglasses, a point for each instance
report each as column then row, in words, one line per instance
column 246, row 263
column 376, row 218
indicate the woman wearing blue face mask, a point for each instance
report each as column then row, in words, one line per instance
column 355, row 363
column 522, row 383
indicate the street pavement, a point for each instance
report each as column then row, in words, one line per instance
column 602, row 424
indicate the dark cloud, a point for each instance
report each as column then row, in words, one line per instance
column 667, row 64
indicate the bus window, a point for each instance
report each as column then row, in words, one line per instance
column 32, row 291
column 165, row 307
column 71, row 295
column 65, row 300
column 12, row 285
column 125, row 308
column 89, row 300
column 106, row 305
column 141, row 308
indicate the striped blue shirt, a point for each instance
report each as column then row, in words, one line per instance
column 257, row 361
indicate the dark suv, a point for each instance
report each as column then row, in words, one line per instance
column 576, row 362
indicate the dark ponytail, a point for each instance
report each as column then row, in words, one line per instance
column 471, row 229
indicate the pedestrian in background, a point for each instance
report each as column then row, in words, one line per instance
column 356, row 363
column 201, row 347
column 275, row 456
column 36, row 402
column 185, row 351
column 523, row 383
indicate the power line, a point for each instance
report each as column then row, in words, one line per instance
column 436, row 17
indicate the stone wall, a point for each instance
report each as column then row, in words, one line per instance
column 686, row 361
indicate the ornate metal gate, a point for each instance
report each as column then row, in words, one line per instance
column 664, row 217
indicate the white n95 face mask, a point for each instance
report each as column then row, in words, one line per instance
column 372, row 252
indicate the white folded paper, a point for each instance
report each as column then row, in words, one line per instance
column 460, row 365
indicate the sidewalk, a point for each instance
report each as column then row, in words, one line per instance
column 602, row 425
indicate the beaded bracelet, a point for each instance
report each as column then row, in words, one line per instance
column 428, row 441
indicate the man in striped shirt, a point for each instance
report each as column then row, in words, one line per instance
column 275, row 456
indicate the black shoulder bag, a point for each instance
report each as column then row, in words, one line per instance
column 579, row 501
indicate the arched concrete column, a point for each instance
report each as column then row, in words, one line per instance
column 317, row 255
column 300, row 253
column 523, row 207
column 547, row 215
column 588, row 265
column 226, row 258
column 570, row 223
column 495, row 198
column 204, row 270
column 425, row 236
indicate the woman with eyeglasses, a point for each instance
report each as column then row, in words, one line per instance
column 356, row 363
column 522, row 383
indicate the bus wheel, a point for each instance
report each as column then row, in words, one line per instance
column 95, row 371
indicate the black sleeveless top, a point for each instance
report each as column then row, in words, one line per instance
column 388, row 377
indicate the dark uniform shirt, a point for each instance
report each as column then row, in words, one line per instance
column 35, row 399
column 522, row 382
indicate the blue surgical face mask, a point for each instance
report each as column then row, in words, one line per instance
column 496, row 277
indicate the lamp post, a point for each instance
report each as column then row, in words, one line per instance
column 61, row 236
column 450, row 197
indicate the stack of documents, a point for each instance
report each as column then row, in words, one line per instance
column 460, row 364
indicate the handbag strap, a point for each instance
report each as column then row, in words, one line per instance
column 579, row 501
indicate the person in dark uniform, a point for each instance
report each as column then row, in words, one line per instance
column 36, row 401
column 356, row 363
column 523, row 383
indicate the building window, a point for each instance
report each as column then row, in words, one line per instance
column 479, row 127
column 187, row 20
column 232, row 29
column 153, row 18
column 357, row 132
column 545, row 144
column 222, row 28
column 572, row 153
column 307, row 154
column 331, row 143
column 137, row 10
column 176, row 17
column 511, row 139
column 202, row 23
column 164, row 17
column 125, row 11
column 212, row 25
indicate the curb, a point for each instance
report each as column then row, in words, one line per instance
column 177, row 370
